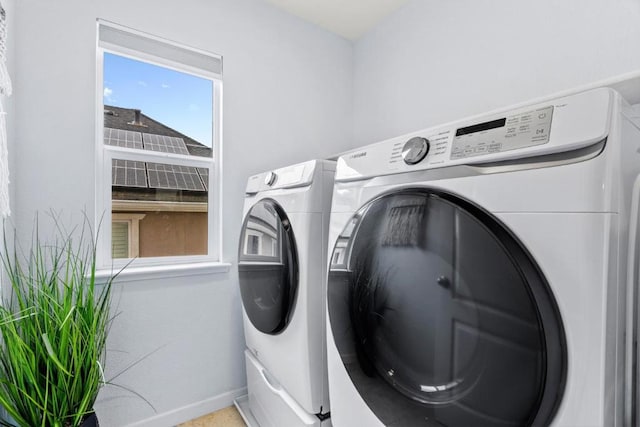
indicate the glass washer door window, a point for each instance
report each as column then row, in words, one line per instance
column 268, row 267
column 442, row 318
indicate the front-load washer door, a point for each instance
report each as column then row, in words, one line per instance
column 268, row 267
column 442, row 318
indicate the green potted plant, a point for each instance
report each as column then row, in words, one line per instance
column 53, row 324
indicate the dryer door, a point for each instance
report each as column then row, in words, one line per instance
column 441, row 316
column 268, row 267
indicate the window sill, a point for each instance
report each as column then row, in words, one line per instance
column 131, row 274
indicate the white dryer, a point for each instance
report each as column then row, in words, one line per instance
column 282, row 274
column 478, row 271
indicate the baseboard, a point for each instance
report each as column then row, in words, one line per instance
column 194, row 410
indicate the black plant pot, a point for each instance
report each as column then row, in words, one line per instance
column 90, row 421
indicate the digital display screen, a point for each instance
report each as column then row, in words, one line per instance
column 493, row 124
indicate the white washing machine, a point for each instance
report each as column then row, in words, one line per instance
column 478, row 271
column 282, row 273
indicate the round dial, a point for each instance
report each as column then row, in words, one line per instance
column 270, row 178
column 415, row 150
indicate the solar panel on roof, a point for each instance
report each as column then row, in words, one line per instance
column 128, row 173
column 204, row 176
column 199, row 150
column 174, row 177
column 165, row 144
column 122, row 138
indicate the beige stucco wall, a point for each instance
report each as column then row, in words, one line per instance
column 173, row 233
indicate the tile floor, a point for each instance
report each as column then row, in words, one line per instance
column 227, row 417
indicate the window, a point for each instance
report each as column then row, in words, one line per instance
column 158, row 150
column 125, row 235
column 120, row 239
column 253, row 244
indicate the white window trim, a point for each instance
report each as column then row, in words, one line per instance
column 166, row 271
column 105, row 154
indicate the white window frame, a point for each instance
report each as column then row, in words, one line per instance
column 105, row 154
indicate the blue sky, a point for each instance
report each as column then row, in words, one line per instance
column 179, row 100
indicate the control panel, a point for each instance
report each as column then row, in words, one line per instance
column 507, row 133
column 288, row 177
column 557, row 125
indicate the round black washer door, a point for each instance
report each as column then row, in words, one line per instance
column 442, row 318
column 268, row 267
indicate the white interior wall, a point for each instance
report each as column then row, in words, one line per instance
column 435, row 61
column 287, row 98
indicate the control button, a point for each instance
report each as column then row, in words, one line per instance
column 270, row 178
column 495, row 147
column 415, row 150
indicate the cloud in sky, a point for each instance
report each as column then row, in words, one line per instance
column 107, row 93
column 142, row 83
column 165, row 86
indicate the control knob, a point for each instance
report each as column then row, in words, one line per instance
column 270, row 178
column 415, row 150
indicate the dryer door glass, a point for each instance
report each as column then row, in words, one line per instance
column 441, row 317
column 268, row 267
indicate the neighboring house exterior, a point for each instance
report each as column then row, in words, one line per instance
column 157, row 209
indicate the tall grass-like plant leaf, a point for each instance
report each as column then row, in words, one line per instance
column 53, row 324
column 52, row 354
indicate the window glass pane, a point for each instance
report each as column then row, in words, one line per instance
column 154, row 108
column 253, row 245
column 171, row 203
